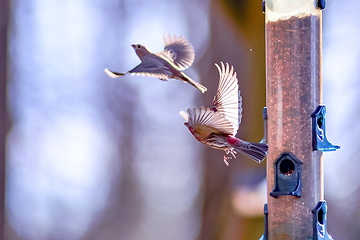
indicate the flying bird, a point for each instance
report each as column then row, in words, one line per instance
column 177, row 56
column 217, row 127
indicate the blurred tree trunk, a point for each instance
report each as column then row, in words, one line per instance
column 123, row 210
column 237, row 37
column 4, row 122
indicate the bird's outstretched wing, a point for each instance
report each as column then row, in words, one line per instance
column 177, row 50
column 151, row 68
column 227, row 100
column 205, row 121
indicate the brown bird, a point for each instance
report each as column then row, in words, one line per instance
column 177, row 55
column 217, row 127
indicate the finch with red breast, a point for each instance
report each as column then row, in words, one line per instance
column 217, row 127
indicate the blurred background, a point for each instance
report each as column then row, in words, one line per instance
column 88, row 157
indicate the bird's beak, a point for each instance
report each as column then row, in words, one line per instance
column 133, row 45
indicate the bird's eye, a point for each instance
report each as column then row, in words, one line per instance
column 138, row 46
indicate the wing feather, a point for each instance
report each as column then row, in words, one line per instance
column 113, row 74
column 205, row 119
column 151, row 68
column 227, row 100
column 178, row 50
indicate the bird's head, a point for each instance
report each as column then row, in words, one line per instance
column 185, row 115
column 140, row 50
column 191, row 129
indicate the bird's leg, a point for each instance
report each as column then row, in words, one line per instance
column 231, row 152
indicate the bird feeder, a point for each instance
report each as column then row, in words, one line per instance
column 294, row 99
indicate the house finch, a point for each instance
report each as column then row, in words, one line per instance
column 217, row 127
column 177, row 55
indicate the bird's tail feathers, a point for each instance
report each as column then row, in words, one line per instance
column 187, row 79
column 113, row 74
column 256, row 151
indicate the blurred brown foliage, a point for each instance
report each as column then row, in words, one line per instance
column 237, row 37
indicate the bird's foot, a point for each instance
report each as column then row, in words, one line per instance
column 228, row 152
column 225, row 160
column 232, row 152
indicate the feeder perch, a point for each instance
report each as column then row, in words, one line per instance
column 320, row 222
column 320, row 141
